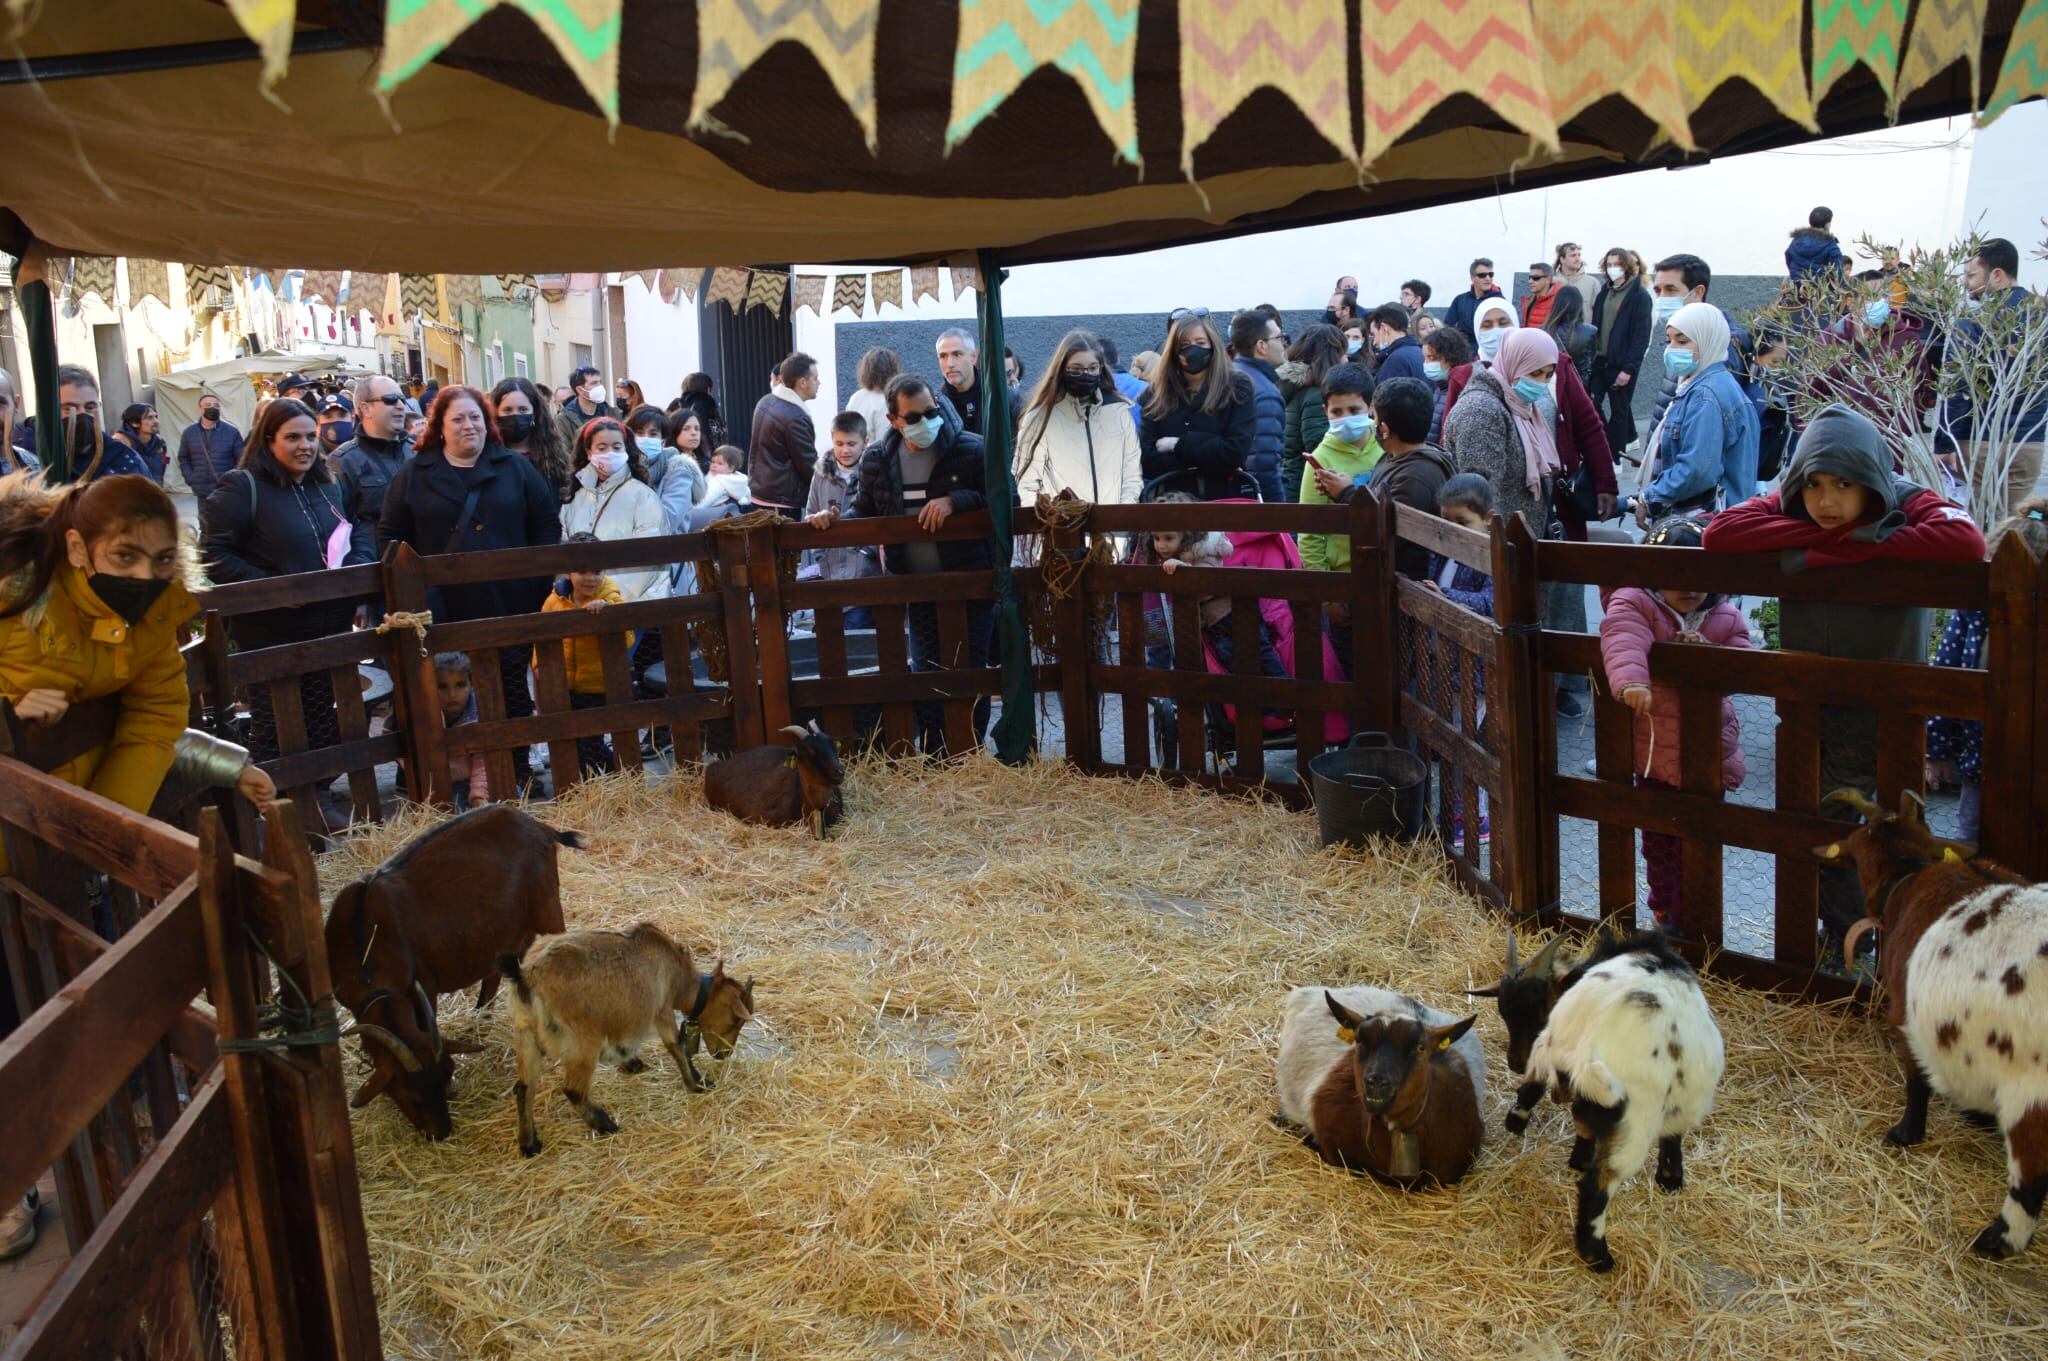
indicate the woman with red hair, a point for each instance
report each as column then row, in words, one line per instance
column 463, row 491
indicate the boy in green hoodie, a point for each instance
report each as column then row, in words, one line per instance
column 1349, row 449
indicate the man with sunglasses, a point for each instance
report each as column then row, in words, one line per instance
column 367, row 463
column 1466, row 305
column 926, row 465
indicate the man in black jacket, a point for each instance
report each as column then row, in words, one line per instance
column 959, row 362
column 367, row 464
column 784, row 448
column 926, row 465
column 208, row 448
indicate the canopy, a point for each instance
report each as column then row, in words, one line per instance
column 233, row 381
column 634, row 134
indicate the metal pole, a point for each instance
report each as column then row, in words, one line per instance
column 1013, row 730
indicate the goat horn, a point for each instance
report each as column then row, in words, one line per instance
column 794, row 731
column 816, row 729
column 399, row 1048
column 1540, row 967
column 433, row 1021
column 1511, row 949
column 1864, row 807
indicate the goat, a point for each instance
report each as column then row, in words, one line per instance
column 1633, row 1050
column 1961, row 942
column 591, row 995
column 1525, row 995
column 778, row 786
column 1381, row 1083
column 434, row 918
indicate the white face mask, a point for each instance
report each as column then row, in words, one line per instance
column 596, row 394
column 1616, row 273
column 607, row 465
column 1489, row 342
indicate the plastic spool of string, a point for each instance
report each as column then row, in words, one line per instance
column 708, row 635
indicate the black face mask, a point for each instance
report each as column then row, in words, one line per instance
column 1195, row 358
column 515, row 429
column 1081, row 384
column 208, row 413
column 85, row 436
column 129, row 597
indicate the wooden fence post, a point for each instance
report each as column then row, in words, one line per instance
column 1074, row 636
column 415, row 704
column 742, row 669
column 771, row 627
column 1518, row 610
column 1373, row 618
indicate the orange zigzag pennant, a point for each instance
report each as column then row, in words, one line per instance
column 1229, row 48
column 1594, row 48
column 1420, row 52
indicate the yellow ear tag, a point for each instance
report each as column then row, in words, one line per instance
column 1444, row 1043
column 1949, row 856
column 1345, row 1034
column 1834, row 852
column 790, row 760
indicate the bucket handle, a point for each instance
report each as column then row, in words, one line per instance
column 1370, row 739
column 1371, row 784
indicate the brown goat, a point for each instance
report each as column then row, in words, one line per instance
column 778, row 786
column 435, row 918
column 591, row 995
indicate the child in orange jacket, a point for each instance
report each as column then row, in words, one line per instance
column 584, row 656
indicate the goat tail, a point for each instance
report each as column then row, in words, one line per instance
column 508, row 965
column 573, row 840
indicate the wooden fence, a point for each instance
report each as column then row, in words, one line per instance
column 1469, row 692
column 204, row 1170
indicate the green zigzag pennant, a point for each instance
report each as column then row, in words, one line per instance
column 2025, row 73
column 584, row 32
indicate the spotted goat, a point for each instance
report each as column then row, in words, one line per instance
column 1631, row 1047
column 1962, row 954
column 1379, row 1083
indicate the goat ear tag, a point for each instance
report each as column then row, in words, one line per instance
column 1949, row 856
column 1833, row 852
column 1345, row 1034
column 1444, row 1043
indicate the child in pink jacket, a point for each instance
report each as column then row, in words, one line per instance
column 1635, row 618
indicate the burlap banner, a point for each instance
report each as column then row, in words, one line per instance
column 2025, row 73
column 1594, row 48
column 1944, row 32
column 516, row 285
column 324, row 284
column 850, row 293
column 966, row 274
column 808, row 290
column 1096, row 43
column 460, row 289
column 149, row 279
column 732, row 35
column 924, row 283
column 1417, row 52
column 767, row 289
column 1753, row 40
column 728, row 285
column 417, row 295
column 1229, row 48
column 93, row 274
column 1851, row 31
column 680, row 282
column 584, row 32
column 199, row 278
column 269, row 24
column 887, row 286
column 650, row 279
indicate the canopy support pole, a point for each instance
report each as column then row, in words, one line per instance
column 39, row 319
column 1013, row 731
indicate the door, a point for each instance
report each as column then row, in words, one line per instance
column 739, row 349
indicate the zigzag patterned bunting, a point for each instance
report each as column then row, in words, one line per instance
column 2025, row 74
column 888, row 287
column 966, row 273
column 516, row 285
column 416, row 294
column 1093, row 41
column 461, row 289
column 1944, row 32
column 650, row 279
column 199, row 278
column 584, row 32
column 93, row 274
column 1594, row 48
column 732, row 35
column 850, row 293
column 767, row 289
column 1754, row 40
column 324, row 284
column 924, row 283
column 1229, row 48
column 149, row 279
column 1418, row 52
column 679, row 281
column 728, row 285
column 1849, row 31
column 808, row 291
column 269, row 24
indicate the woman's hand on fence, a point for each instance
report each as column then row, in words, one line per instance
column 935, row 513
column 257, row 787
column 1636, row 697
column 44, row 706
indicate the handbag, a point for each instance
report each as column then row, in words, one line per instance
column 1577, row 498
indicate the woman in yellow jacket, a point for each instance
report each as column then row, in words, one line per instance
column 95, row 583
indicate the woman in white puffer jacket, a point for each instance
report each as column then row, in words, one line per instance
column 612, row 499
column 1076, row 435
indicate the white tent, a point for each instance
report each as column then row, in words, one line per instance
column 234, row 381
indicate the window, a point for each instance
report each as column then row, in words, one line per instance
column 579, row 356
column 519, row 365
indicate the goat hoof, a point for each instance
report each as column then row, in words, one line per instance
column 601, row 1121
column 1903, row 1135
column 1979, row 1119
column 1671, row 1185
column 529, row 1147
column 1517, row 1122
column 636, row 1064
column 1593, row 1252
column 1993, row 1242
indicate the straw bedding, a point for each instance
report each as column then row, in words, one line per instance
column 1008, row 1097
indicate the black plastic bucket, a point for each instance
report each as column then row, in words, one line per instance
column 1370, row 788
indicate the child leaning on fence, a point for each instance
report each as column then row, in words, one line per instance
column 1840, row 504
column 467, row 776
column 1955, row 746
column 1636, row 617
column 591, row 591
column 1206, row 548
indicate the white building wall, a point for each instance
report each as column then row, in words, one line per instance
column 662, row 343
column 2007, row 192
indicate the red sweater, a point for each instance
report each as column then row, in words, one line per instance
column 1936, row 530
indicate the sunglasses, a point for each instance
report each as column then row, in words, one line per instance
column 1177, row 313
column 1482, row 274
column 923, row 415
column 392, row 399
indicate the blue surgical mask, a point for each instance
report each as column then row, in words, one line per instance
column 1664, row 309
column 1353, row 429
column 650, row 445
column 1878, row 312
column 1531, row 391
column 1679, row 363
column 1353, row 346
column 1435, row 370
column 922, row 434
column 1489, row 342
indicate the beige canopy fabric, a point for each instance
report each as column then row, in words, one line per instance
column 234, row 382
column 500, row 161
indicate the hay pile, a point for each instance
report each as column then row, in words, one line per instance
column 1008, row 1098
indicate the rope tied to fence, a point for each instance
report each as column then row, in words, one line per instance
column 418, row 622
column 302, row 1023
column 748, row 523
column 1061, row 571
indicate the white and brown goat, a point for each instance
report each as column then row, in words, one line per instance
column 1963, row 956
column 1379, row 1083
column 590, row 995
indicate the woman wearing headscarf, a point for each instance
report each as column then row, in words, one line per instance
column 1503, row 425
column 1491, row 321
column 1704, row 451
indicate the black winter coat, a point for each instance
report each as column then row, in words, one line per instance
column 1212, row 445
column 957, row 474
column 1628, row 335
column 514, row 509
column 255, row 530
column 366, row 466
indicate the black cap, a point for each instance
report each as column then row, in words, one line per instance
column 335, row 401
column 290, row 381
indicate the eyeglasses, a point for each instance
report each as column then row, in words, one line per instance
column 1093, row 371
column 1179, row 312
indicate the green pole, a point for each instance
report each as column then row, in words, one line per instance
column 40, row 320
column 1014, row 729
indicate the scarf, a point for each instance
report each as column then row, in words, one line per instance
column 1707, row 328
column 1524, row 351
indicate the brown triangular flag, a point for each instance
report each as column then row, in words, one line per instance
column 850, row 293
column 808, row 291
column 681, row 282
column 887, row 285
column 516, row 285
column 924, row 283
column 416, row 293
column 199, row 278
column 767, row 290
column 324, row 284
column 966, row 274
column 464, row 288
column 149, row 279
column 728, row 285
column 93, row 274
column 650, row 279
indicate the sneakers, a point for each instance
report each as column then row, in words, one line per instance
column 18, row 1228
column 1569, row 705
